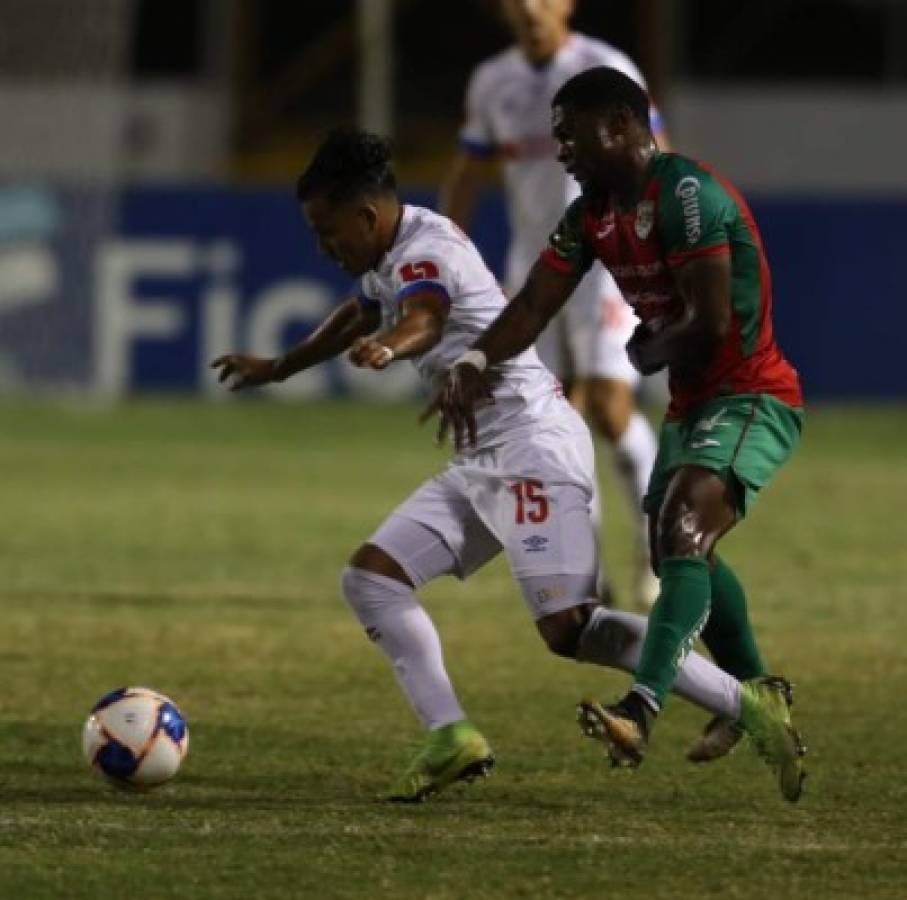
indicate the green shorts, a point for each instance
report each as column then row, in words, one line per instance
column 743, row 438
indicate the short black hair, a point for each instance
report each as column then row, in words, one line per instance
column 601, row 89
column 348, row 163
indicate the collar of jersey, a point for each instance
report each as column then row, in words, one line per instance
column 384, row 264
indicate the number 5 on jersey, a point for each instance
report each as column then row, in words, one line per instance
column 531, row 502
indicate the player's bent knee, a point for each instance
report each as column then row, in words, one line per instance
column 370, row 558
column 370, row 594
column 562, row 631
column 681, row 536
column 696, row 512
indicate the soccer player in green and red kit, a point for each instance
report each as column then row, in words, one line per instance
column 686, row 253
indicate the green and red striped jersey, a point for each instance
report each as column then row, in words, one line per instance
column 686, row 211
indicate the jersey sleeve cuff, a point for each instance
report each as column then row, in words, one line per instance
column 553, row 261
column 478, row 149
column 679, row 258
column 424, row 287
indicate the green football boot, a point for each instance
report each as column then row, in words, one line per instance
column 455, row 752
column 765, row 716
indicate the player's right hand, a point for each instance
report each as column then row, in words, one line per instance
column 246, row 371
column 638, row 349
column 366, row 352
column 465, row 390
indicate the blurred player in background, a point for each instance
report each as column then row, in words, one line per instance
column 524, row 488
column 688, row 256
column 508, row 113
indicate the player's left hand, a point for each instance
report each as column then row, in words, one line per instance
column 245, row 371
column 366, row 352
column 465, row 390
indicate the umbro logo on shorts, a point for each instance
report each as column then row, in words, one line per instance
column 535, row 543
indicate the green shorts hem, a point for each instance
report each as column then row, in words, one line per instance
column 743, row 438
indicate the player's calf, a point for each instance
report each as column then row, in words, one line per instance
column 562, row 631
column 719, row 738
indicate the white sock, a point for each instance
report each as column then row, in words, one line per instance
column 615, row 639
column 634, row 456
column 397, row 623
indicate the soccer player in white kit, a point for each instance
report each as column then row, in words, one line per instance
column 426, row 295
column 508, row 120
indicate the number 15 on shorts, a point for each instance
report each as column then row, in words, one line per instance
column 531, row 502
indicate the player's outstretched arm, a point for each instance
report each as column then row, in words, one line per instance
column 419, row 329
column 687, row 342
column 467, row 386
column 335, row 334
column 524, row 318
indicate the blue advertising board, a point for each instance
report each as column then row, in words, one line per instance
column 139, row 290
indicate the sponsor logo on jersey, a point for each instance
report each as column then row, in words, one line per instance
column 687, row 191
column 645, row 219
column 535, row 543
column 637, row 270
column 419, row 270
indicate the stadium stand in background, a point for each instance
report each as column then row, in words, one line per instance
column 146, row 217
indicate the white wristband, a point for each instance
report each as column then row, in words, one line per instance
column 475, row 358
column 388, row 354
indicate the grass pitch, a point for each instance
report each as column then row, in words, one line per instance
column 196, row 549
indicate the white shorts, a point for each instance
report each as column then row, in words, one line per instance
column 530, row 499
column 588, row 337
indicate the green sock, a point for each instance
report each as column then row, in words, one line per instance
column 674, row 624
column 728, row 633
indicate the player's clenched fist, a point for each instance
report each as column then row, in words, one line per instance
column 367, row 353
column 245, row 371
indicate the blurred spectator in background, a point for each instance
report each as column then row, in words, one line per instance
column 508, row 121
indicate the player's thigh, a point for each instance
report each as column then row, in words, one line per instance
column 436, row 531
column 609, row 403
column 547, row 535
column 744, row 439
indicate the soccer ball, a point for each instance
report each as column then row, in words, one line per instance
column 136, row 737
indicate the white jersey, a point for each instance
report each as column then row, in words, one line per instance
column 508, row 115
column 430, row 253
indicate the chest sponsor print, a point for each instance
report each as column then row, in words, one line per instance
column 687, row 192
